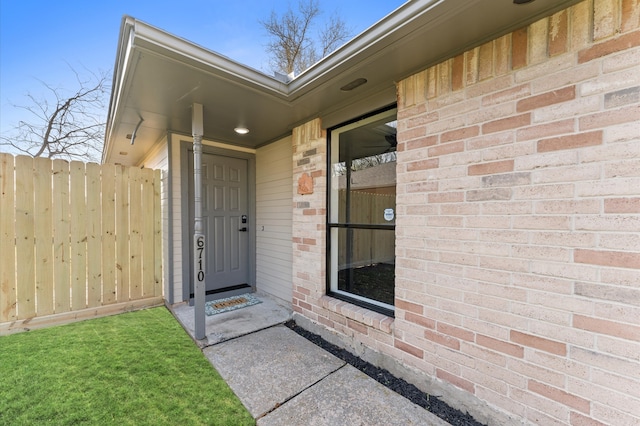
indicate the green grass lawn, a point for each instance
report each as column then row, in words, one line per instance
column 134, row 368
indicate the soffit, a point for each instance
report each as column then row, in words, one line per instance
column 159, row 76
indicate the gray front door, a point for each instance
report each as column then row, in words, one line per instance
column 225, row 220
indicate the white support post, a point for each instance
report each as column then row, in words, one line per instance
column 199, row 246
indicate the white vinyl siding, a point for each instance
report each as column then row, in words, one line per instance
column 274, row 198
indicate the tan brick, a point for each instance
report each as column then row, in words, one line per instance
column 580, row 25
column 611, row 328
column 444, row 77
column 537, row 342
column 442, row 339
column 519, row 48
column 405, row 347
column 568, row 206
column 583, row 173
column 620, row 241
column 457, row 73
column 463, row 133
column 500, row 346
column 420, row 320
column 409, row 306
column 546, row 99
column 625, row 41
column 420, row 120
column 538, row 41
column 622, row 97
column 630, row 114
column 570, row 142
column 622, row 205
column 447, row 148
column 456, row 332
column 471, row 66
column 630, row 15
column 490, row 168
column 446, row 197
column 577, row 419
column 356, row 326
column 455, row 380
column 545, row 223
column 617, row 259
column 558, row 33
column 502, row 50
column 506, row 95
column 506, row 179
column 508, row 123
column 485, row 61
column 421, row 143
column 412, row 134
column 423, row 165
column 605, row 18
column 560, row 396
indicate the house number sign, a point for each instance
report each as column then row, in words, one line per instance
column 200, row 258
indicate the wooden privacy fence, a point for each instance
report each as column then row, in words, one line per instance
column 76, row 240
column 368, row 246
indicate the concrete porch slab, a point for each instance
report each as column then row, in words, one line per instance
column 229, row 325
column 269, row 367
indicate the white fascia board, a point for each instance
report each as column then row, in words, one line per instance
column 120, row 72
column 161, row 42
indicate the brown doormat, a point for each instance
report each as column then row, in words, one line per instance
column 230, row 304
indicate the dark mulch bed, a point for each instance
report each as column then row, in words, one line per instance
column 400, row 386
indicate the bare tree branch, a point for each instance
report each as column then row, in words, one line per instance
column 64, row 124
column 293, row 46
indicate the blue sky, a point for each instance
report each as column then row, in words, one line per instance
column 39, row 38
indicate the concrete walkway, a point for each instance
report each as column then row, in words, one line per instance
column 283, row 379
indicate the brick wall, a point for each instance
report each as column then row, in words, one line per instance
column 519, row 192
column 309, row 217
column 518, row 226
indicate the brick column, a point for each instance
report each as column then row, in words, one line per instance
column 309, row 216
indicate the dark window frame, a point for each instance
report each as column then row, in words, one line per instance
column 330, row 226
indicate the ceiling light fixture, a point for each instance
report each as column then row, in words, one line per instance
column 241, row 130
column 522, row 1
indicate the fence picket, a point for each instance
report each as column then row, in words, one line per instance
column 135, row 234
column 122, row 233
column 25, row 237
column 61, row 236
column 78, row 236
column 94, row 236
column 43, row 231
column 108, row 234
column 147, row 232
column 157, row 235
column 8, row 295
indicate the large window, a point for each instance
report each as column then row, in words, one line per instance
column 362, row 211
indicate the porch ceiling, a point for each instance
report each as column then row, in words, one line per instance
column 158, row 76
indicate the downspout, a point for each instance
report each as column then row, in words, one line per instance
column 199, row 272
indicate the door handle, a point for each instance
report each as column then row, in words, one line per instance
column 242, row 229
